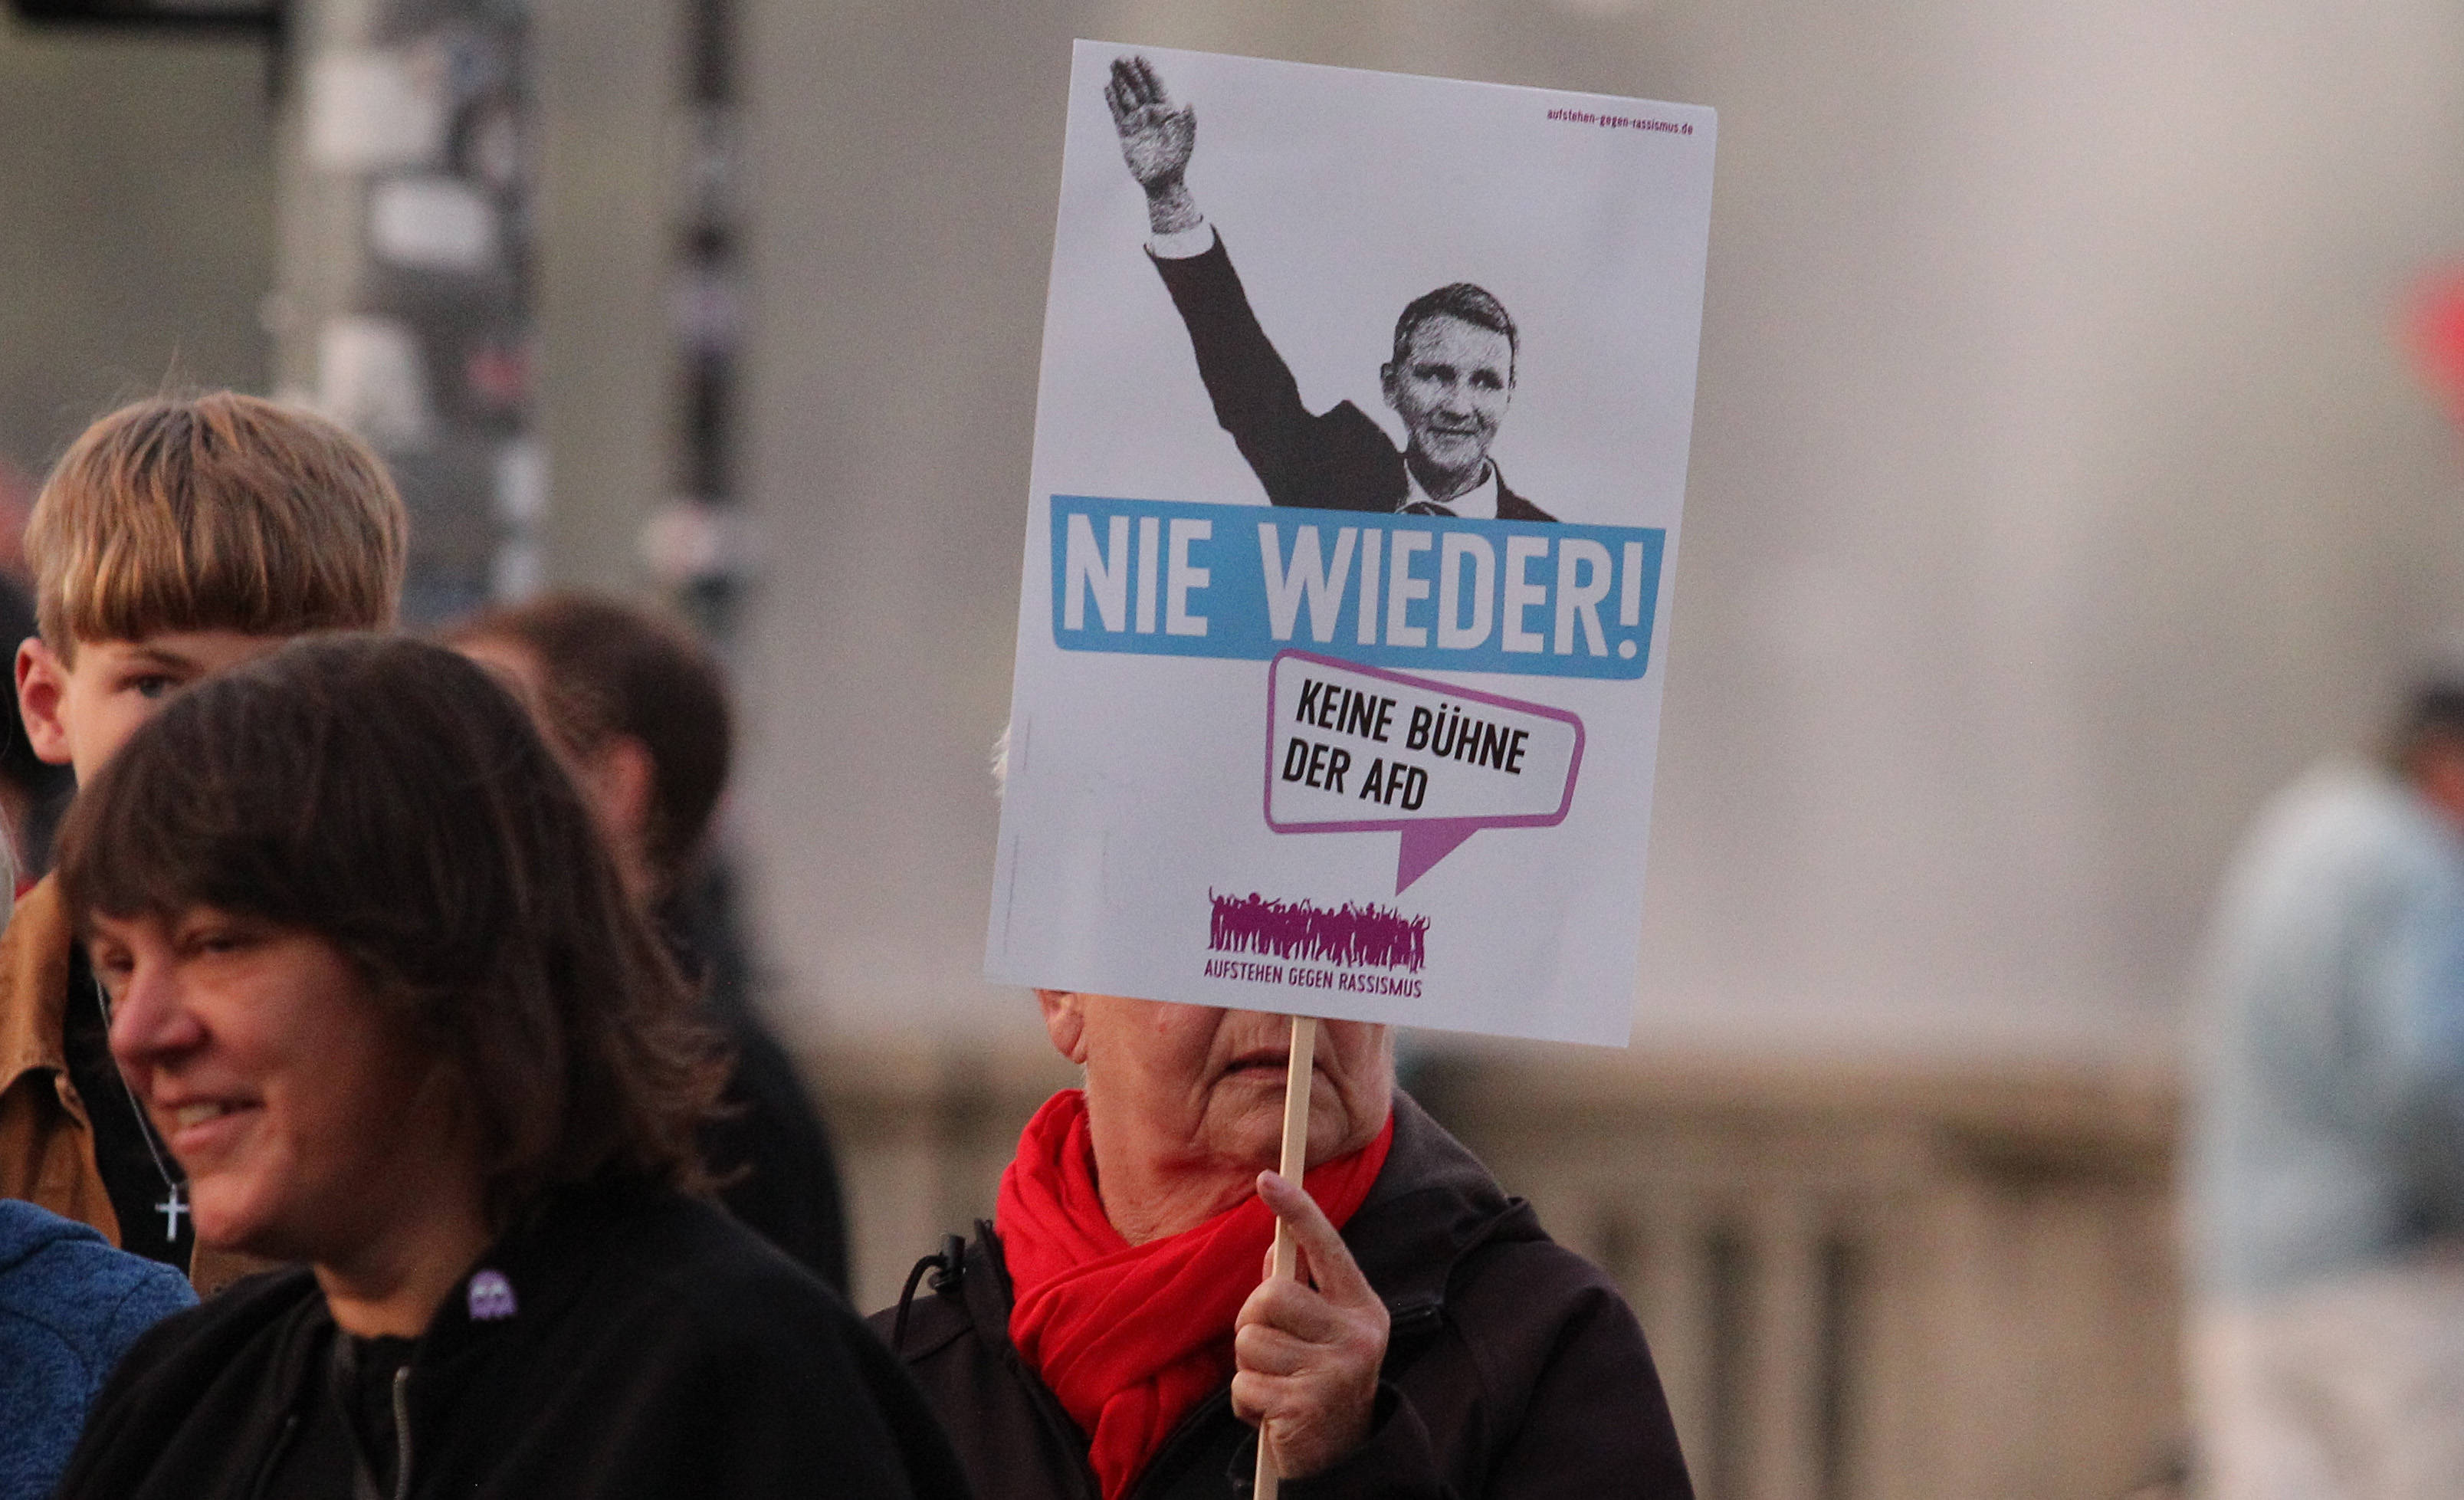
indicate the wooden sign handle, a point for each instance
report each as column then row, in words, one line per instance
column 1295, row 1165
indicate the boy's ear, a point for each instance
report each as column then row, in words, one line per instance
column 42, row 684
column 619, row 782
column 625, row 780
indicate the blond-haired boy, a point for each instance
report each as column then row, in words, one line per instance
column 175, row 538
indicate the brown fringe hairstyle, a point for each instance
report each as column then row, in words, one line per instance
column 389, row 797
column 214, row 512
column 607, row 668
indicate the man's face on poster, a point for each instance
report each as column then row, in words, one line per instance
column 1451, row 389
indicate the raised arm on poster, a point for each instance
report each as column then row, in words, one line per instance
column 1449, row 382
column 1289, row 638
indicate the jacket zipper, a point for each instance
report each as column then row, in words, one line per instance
column 272, row 1456
column 402, row 1433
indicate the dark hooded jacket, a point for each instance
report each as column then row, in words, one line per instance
column 626, row 1343
column 1513, row 1368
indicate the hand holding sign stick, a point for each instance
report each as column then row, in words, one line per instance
column 1311, row 1341
column 1283, row 1262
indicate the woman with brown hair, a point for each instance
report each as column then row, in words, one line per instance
column 377, row 980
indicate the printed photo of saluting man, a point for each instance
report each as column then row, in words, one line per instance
column 1450, row 379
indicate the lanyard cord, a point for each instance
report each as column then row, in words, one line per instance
column 144, row 1126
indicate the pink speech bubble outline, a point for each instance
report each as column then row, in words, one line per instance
column 1425, row 840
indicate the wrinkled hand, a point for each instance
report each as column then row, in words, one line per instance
column 1306, row 1358
column 1155, row 138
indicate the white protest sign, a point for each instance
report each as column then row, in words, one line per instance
column 1361, row 452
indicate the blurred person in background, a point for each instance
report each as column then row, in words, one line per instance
column 70, row 1306
column 381, row 986
column 640, row 712
column 1109, row 1332
column 2326, row 1154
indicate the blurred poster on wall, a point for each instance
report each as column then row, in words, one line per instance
column 1360, row 450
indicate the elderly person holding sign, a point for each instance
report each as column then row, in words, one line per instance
column 374, row 976
column 1109, row 1332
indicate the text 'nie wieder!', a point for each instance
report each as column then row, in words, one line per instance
column 1172, row 579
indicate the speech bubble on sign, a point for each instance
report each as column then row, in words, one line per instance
column 1351, row 749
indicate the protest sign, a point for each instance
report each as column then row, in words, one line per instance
column 1360, row 449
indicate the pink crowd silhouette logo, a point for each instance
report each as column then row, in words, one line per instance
column 1365, row 935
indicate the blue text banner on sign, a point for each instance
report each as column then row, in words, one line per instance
column 1174, row 579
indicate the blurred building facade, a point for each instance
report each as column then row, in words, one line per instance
column 137, row 202
column 2058, row 489
column 2058, row 485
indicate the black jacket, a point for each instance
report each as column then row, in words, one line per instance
column 1341, row 460
column 772, row 1153
column 657, row 1349
column 768, row 1147
column 1513, row 1367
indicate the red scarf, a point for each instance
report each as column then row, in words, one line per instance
column 1130, row 1337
